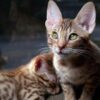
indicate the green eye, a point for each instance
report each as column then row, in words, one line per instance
column 73, row 36
column 54, row 35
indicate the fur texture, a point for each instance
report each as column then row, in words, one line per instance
column 29, row 82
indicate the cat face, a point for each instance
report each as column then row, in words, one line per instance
column 65, row 35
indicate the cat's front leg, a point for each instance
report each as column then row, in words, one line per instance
column 69, row 93
column 88, row 90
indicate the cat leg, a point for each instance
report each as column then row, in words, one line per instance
column 88, row 90
column 69, row 93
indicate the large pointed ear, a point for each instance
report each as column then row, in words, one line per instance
column 54, row 15
column 86, row 17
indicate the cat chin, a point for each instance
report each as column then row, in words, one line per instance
column 63, row 55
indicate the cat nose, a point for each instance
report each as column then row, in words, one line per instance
column 61, row 45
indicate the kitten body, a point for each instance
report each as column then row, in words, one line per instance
column 76, row 58
column 29, row 82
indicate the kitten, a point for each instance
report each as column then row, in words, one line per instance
column 76, row 58
column 29, row 82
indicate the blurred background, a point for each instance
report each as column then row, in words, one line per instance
column 22, row 28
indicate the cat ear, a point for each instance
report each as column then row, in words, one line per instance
column 86, row 17
column 40, row 65
column 54, row 15
column 37, row 65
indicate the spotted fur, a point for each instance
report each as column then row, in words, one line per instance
column 29, row 82
column 77, row 59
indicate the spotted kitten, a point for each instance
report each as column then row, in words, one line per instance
column 76, row 58
column 29, row 82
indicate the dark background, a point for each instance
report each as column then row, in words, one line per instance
column 10, row 10
column 22, row 28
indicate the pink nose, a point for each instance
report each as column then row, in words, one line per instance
column 61, row 45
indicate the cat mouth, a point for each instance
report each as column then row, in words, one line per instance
column 68, row 51
column 64, row 52
column 61, row 53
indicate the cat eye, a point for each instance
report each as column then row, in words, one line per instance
column 73, row 36
column 54, row 35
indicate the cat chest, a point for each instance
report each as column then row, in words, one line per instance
column 69, row 74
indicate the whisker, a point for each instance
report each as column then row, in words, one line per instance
column 85, row 53
column 43, row 50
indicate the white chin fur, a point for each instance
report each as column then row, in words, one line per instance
column 55, row 50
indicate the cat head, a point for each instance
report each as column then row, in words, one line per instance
column 66, row 35
column 44, row 70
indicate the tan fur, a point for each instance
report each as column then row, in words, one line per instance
column 77, row 62
column 27, row 83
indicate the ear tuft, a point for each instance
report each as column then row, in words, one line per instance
column 86, row 17
column 54, row 15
